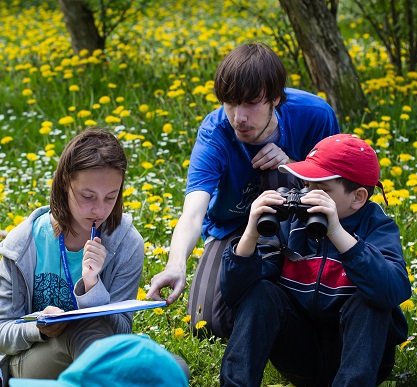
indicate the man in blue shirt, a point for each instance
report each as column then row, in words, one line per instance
column 260, row 126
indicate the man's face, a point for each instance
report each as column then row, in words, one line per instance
column 253, row 121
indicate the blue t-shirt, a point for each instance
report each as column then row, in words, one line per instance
column 50, row 285
column 221, row 165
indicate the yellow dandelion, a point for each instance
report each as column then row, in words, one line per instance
column 67, row 120
column 147, row 187
column 322, row 95
column 84, row 52
column 198, row 251
column 172, row 223
column 186, row 319
column 50, row 153
column 128, row 191
column 112, row 85
column 413, row 207
column 147, row 144
column 404, row 117
column 104, row 99
column 404, row 157
column 396, row 171
column 112, row 119
column 179, row 332
column 407, row 305
column 31, row 156
column 155, row 207
column 135, row 205
column 96, row 106
column 406, row 109
column 74, row 88
column 27, row 92
column 146, row 165
column 385, row 162
column 159, row 251
column 167, row 128
column 90, row 123
column 83, row 113
column 6, row 140
column 158, row 311
column 18, row 219
column 72, row 108
column 200, row 324
column 120, row 99
column 404, row 344
column 143, row 108
column 186, row 163
column 141, row 294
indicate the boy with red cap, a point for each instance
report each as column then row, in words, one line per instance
column 327, row 313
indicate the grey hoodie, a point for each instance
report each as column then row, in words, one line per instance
column 118, row 281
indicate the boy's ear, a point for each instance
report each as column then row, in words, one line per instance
column 360, row 198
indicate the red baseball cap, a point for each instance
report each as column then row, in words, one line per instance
column 340, row 155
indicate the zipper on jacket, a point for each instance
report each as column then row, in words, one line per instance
column 324, row 248
column 29, row 301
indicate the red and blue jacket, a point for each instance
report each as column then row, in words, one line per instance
column 321, row 284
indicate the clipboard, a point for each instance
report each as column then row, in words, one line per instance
column 95, row 311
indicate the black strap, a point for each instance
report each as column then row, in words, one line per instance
column 285, row 250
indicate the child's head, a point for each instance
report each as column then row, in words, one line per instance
column 94, row 148
column 344, row 157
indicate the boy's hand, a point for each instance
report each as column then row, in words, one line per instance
column 262, row 204
column 323, row 203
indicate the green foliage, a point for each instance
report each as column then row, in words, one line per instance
column 393, row 22
column 151, row 87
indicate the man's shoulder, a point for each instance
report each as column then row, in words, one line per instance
column 304, row 99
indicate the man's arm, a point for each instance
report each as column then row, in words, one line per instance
column 186, row 234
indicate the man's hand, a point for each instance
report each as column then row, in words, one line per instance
column 52, row 330
column 172, row 277
column 270, row 157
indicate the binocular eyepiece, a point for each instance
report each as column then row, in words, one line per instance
column 316, row 224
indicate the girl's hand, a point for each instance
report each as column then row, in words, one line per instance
column 52, row 330
column 93, row 260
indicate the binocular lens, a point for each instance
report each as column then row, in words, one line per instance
column 268, row 225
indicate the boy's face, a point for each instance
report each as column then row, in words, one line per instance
column 336, row 191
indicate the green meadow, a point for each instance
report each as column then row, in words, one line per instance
column 151, row 87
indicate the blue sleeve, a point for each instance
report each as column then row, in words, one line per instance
column 209, row 156
column 239, row 274
column 376, row 264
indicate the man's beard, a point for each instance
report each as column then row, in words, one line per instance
column 271, row 110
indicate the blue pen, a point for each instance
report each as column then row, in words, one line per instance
column 93, row 230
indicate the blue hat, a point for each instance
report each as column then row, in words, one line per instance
column 119, row 360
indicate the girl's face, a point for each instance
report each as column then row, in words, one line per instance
column 92, row 195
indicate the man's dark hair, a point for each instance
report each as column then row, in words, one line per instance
column 350, row 186
column 250, row 72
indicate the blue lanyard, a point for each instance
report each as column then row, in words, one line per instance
column 66, row 269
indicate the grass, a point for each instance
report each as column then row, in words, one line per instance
column 152, row 87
